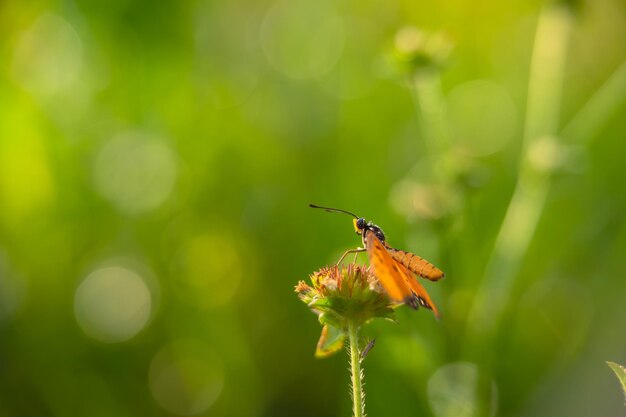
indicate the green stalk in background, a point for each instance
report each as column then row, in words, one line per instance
column 544, row 150
column 522, row 216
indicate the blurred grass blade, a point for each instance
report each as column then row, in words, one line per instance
column 602, row 105
column 620, row 372
column 528, row 200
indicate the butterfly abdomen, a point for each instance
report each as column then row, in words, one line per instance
column 416, row 264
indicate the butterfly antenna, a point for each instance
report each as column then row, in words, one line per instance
column 334, row 210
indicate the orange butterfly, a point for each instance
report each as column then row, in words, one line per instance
column 394, row 268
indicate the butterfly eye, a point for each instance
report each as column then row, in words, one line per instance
column 360, row 223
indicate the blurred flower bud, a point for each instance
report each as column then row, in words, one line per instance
column 415, row 50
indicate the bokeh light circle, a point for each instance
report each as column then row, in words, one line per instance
column 136, row 172
column 112, row 304
column 48, row 56
column 453, row 391
column 422, row 200
column 355, row 74
column 483, row 117
column 546, row 153
column 186, row 377
column 208, row 270
column 302, row 39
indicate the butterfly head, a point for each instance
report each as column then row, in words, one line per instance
column 361, row 225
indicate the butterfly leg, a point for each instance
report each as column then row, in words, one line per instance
column 355, row 251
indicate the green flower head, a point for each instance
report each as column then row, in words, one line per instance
column 340, row 295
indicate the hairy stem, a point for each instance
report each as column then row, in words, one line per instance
column 356, row 374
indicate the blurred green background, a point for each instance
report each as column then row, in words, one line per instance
column 157, row 159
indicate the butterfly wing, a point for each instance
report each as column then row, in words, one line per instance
column 396, row 278
column 389, row 272
column 418, row 289
column 416, row 264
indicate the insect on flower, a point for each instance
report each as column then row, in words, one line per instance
column 394, row 268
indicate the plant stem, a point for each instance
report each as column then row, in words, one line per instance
column 358, row 398
column 547, row 74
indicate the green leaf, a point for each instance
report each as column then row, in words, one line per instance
column 331, row 341
column 620, row 372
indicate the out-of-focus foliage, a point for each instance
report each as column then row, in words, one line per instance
column 620, row 373
column 157, row 159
